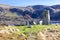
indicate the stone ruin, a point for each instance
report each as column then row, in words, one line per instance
column 46, row 17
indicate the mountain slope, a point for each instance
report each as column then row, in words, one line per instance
column 32, row 11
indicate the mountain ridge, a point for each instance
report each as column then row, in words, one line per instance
column 33, row 11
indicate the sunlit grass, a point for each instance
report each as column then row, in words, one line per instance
column 26, row 30
column 35, row 28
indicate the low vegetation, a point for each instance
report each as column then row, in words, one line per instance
column 37, row 32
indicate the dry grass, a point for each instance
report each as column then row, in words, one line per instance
column 39, row 32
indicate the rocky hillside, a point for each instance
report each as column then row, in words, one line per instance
column 32, row 11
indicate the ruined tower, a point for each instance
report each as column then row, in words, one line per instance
column 46, row 17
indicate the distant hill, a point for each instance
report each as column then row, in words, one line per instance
column 32, row 11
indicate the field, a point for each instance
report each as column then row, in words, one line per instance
column 35, row 28
column 37, row 32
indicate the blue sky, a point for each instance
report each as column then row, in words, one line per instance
column 29, row 2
